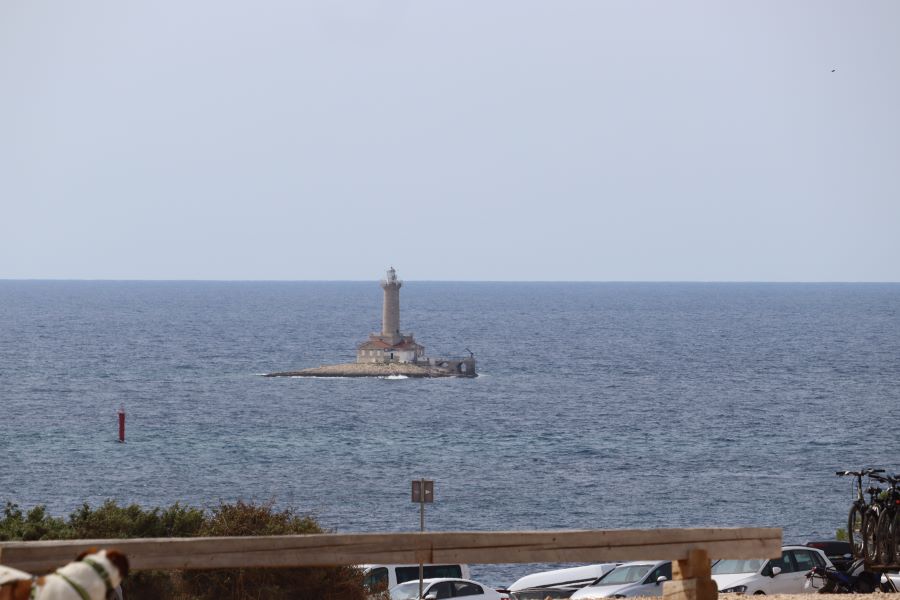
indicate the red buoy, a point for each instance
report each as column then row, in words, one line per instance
column 122, row 423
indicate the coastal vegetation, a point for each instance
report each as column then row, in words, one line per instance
column 110, row 520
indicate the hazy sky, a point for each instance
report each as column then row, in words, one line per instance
column 554, row 140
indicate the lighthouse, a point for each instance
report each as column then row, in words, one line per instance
column 390, row 312
column 390, row 345
column 390, row 353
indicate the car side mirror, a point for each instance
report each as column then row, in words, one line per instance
column 431, row 595
column 660, row 579
column 776, row 571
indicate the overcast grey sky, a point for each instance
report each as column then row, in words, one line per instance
column 497, row 140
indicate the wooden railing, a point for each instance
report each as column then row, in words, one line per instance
column 690, row 549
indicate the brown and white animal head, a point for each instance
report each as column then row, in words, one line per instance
column 14, row 584
column 92, row 576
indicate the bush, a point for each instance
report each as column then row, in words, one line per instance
column 36, row 525
column 248, row 519
column 113, row 521
column 239, row 519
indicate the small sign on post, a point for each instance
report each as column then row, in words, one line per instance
column 417, row 486
column 422, row 492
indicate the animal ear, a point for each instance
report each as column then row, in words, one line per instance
column 90, row 550
column 19, row 590
column 119, row 560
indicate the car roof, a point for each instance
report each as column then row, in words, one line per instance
column 799, row 547
column 562, row 577
column 439, row 579
column 391, row 566
column 633, row 563
column 831, row 546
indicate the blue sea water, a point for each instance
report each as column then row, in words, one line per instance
column 600, row 405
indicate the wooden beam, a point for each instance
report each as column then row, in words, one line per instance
column 695, row 566
column 691, row 578
column 477, row 547
column 690, row 589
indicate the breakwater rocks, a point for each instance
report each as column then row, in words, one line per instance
column 453, row 368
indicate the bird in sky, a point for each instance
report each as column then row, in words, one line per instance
column 833, row 70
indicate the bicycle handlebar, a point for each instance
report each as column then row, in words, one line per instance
column 859, row 473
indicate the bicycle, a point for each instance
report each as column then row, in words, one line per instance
column 876, row 507
column 856, row 517
column 889, row 523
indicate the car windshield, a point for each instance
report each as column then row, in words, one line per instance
column 624, row 574
column 406, row 591
column 729, row 567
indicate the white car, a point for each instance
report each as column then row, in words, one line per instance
column 640, row 578
column 444, row 587
column 379, row 578
column 785, row 575
column 894, row 580
column 558, row 582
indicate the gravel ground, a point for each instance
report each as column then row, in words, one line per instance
column 876, row 595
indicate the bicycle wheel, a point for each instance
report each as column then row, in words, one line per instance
column 895, row 537
column 869, row 526
column 855, row 531
column 884, row 540
column 863, row 585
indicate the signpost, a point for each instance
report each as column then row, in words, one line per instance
column 422, row 492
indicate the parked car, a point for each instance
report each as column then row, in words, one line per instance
column 558, row 583
column 444, row 588
column 839, row 553
column 557, row 592
column 640, row 578
column 785, row 575
column 378, row 578
column 891, row 582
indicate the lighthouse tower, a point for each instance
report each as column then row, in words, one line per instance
column 390, row 345
column 390, row 313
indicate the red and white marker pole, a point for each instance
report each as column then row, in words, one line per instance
column 122, row 423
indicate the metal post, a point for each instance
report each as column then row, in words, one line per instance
column 421, row 528
column 122, row 423
column 422, row 492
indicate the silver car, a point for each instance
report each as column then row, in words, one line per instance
column 640, row 578
column 444, row 587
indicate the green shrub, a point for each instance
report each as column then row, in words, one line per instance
column 247, row 519
column 35, row 525
column 111, row 521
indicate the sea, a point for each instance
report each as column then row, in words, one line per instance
column 598, row 405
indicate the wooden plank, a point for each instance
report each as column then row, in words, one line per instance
column 480, row 547
column 690, row 589
column 697, row 566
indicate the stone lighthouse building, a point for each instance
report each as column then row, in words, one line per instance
column 390, row 345
column 391, row 353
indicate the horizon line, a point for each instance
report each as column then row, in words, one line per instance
column 195, row 280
